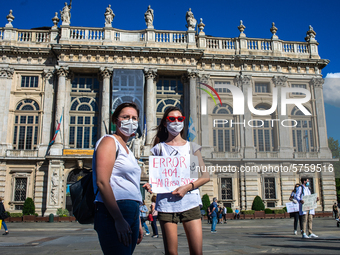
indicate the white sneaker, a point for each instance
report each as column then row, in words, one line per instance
column 305, row 236
column 312, row 235
column 147, row 234
column 295, row 232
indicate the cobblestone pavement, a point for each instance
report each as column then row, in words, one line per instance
column 236, row 237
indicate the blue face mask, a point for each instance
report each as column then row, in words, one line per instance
column 307, row 184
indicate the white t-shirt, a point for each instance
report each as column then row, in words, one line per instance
column 125, row 176
column 171, row 203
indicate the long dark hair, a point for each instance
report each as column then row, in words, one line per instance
column 162, row 132
column 294, row 190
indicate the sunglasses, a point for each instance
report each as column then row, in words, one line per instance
column 179, row 118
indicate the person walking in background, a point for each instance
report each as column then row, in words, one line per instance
column 335, row 211
column 154, row 217
column 296, row 215
column 213, row 213
column 224, row 214
column 143, row 214
column 117, row 177
column 3, row 216
column 307, row 216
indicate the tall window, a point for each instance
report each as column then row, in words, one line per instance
column 303, row 86
column 29, row 81
column 169, row 93
column 20, row 189
column 269, row 188
column 26, row 125
column 261, row 87
column 84, row 112
column 227, row 188
column 303, row 140
column 263, row 132
column 220, row 86
column 223, row 133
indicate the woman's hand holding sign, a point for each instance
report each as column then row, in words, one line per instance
column 182, row 190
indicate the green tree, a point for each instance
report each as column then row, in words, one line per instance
column 28, row 208
column 258, row 204
column 205, row 202
column 335, row 149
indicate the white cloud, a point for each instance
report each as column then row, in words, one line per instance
column 331, row 89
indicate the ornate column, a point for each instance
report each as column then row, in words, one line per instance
column 244, row 83
column 192, row 75
column 55, row 190
column 151, row 120
column 285, row 148
column 6, row 75
column 62, row 72
column 47, row 126
column 316, row 84
column 106, row 74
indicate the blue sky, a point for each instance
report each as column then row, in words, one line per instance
column 291, row 17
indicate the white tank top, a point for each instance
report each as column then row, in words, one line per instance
column 125, row 176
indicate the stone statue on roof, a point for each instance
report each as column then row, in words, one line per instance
column 191, row 21
column 148, row 16
column 66, row 14
column 109, row 15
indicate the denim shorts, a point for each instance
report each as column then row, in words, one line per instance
column 104, row 224
column 191, row 214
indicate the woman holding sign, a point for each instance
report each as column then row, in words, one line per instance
column 116, row 174
column 183, row 203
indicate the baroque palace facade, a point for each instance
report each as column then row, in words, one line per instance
column 78, row 75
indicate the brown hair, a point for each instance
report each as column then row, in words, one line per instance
column 121, row 107
column 162, row 132
column 153, row 199
column 298, row 184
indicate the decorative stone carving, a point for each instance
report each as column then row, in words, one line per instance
column 192, row 73
column 280, row 80
column 55, row 20
column 310, row 35
column 242, row 80
column 150, row 73
column 54, row 187
column 317, row 82
column 148, row 16
column 62, row 71
column 273, row 29
column 106, row 72
column 109, row 15
column 6, row 72
column 241, row 28
column 191, row 21
column 10, row 18
column 48, row 74
column 136, row 145
column 66, row 14
column 201, row 26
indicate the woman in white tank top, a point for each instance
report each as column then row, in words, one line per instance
column 117, row 220
column 183, row 204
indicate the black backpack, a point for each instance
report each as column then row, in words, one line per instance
column 83, row 196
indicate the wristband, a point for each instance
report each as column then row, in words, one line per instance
column 193, row 187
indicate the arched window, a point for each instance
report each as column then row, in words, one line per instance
column 169, row 93
column 223, row 133
column 302, row 134
column 26, row 125
column 263, row 131
column 84, row 112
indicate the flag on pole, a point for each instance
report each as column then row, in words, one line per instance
column 191, row 131
column 56, row 132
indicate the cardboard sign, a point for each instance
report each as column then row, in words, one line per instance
column 309, row 202
column 291, row 207
column 166, row 173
